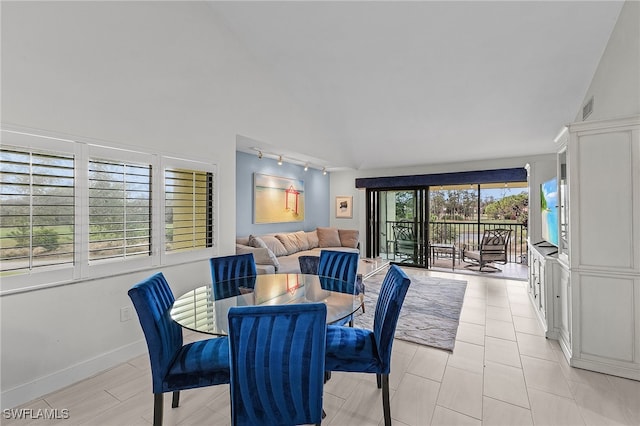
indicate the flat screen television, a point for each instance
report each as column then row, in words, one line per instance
column 549, row 210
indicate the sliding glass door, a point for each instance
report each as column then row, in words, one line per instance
column 404, row 224
column 397, row 220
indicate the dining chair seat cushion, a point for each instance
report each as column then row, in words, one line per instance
column 201, row 363
column 351, row 349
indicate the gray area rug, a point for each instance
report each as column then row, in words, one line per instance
column 430, row 313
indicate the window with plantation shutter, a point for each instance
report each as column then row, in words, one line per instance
column 37, row 210
column 75, row 210
column 188, row 209
column 119, row 209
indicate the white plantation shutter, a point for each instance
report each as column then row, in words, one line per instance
column 37, row 216
column 188, row 209
column 119, row 209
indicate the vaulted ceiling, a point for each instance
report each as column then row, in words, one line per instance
column 424, row 82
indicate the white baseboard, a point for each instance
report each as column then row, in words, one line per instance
column 27, row 392
column 606, row 368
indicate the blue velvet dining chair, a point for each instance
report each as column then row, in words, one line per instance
column 277, row 355
column 174, row 366
column 309, row 264
column 344, row 267
column 225, row 268
column 369, row 351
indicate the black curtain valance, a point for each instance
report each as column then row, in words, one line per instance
column 458, row 178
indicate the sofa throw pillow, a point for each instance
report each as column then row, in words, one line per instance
column 261, row 255
column 302, row 240
column 289, row 241
column 349, row 237
column 256, row 242
column 274, row 245
column 312, row 237
column 328, row 237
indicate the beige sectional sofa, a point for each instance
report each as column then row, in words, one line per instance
column 279, row 252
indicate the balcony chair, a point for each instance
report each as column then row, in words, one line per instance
column 277, row 356
column 369, row 351
column 405, row 242
column 175, row 367
column 225, row 268
column 493, row 249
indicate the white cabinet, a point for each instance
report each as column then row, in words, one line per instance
column 599, row 325
column 543, row 261
column 562, row 308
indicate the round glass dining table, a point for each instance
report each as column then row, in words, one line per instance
column 204, row 309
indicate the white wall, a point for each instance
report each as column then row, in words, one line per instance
column 162, row 76
column 616, row 83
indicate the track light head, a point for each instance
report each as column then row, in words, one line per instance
column 280, row 160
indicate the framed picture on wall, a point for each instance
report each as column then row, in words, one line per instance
column 344, row 207
column 277, row 199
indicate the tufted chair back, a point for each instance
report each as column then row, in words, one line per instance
column 227, row 267
column 152, row 299
column 392, row 293
column 340, row 265
column 277, row 356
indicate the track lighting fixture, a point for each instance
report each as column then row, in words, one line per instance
column 280, row 159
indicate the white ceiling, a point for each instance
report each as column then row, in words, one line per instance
column 410, row 83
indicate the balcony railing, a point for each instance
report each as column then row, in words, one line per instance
column 469, row 234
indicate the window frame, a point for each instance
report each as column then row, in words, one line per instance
column 178, row 257
column 97, row 268
column 81, row 269
column 65, row 272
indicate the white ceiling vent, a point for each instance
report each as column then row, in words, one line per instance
column 587, row 109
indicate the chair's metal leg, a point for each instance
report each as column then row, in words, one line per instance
column 379, row 380
column 385, row 400
column 157, row 409
column 175, row 401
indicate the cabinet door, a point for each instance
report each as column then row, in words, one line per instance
column 541, row 290
column 563, row 297
column 533, row 264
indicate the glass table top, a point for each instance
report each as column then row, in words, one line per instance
column 204, row 309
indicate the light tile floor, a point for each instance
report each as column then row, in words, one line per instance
column 502, row 372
